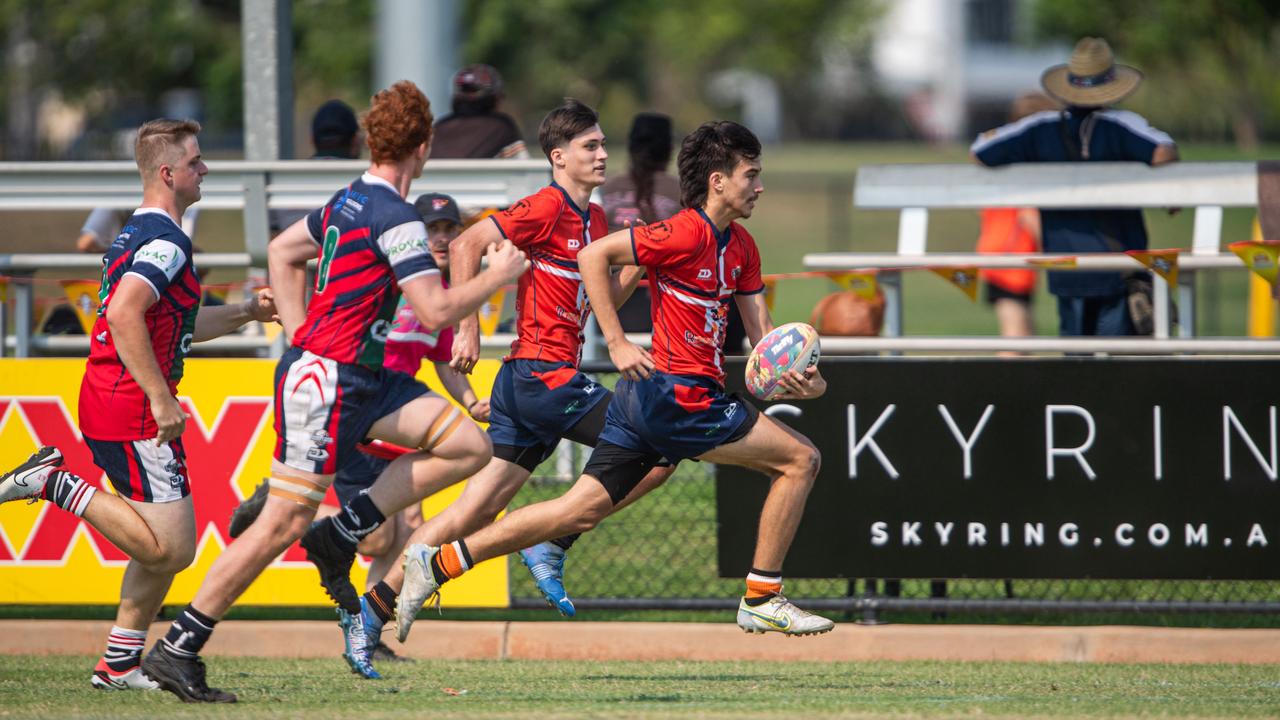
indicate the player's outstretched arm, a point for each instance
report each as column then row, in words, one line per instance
column 437, row 306
column 459, row 388
column 126, row 319
column 287, row 256
column 464, row 262
column 594, row 261
column 216, row 321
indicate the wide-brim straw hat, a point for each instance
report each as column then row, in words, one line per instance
column 1092, row 78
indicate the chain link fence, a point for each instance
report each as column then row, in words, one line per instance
column 660, row 553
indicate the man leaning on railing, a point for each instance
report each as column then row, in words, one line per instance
column 1089, row 303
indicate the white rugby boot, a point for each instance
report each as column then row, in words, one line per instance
column 419, row 586
column 26, row 482
column 778, row 614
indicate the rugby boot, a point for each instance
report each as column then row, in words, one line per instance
column 778, row 614
column 27, row 481
column 356, row 641
column 247, row 511
column 334, row 564
column 546, row 563
column 184, row 677
column 419, row 586
column 104, row 678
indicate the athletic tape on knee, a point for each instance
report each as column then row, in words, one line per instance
column 442, row 428
column 295, row 489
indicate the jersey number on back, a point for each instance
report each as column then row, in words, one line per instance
column 327, row 249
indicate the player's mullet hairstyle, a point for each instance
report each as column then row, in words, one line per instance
column 398, row 121
column 716, row 146
column 160, row 142
column 565, row 123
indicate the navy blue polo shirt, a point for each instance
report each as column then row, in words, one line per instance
column 1117, row 135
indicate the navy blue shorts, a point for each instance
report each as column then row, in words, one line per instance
column 143, row 471
column 357, row 473
column 324, row 407
column 535, row 403
column 676, row 416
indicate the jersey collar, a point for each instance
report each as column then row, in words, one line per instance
column 581, row 213
column 156, row 211
column 722, row 238
column 371, row 179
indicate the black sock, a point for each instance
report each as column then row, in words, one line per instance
column 188, row 633
column 382, row 600
column 566, row 542
column 359, row 518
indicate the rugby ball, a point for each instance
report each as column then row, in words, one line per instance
column 793, row 346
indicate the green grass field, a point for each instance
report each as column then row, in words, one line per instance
column 57, row 687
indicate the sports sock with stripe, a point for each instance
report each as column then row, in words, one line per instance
column 762, row 585
column 382, row 600
column 124, row 649
column 69, row 492
column 451, row 561
column 357, row 519
column 188, row 633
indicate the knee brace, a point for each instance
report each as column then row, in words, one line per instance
column 295, row 489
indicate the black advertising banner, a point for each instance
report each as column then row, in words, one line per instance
column 1028, row 468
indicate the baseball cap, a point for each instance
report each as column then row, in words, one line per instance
column 437, row 206
column 334, row 121
column 476, row 82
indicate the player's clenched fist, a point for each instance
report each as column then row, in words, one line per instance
column 506, row 260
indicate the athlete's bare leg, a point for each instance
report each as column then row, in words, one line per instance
column 119, row 522
column 145, row 583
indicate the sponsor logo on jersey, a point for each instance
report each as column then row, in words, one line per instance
column 694, row 339
column 658, row 232
column 406, row 247
column 517, row 211
column 729, row 411
column 174, row 468
column 572, row 407
column 567, row 315
column 320, row 440
column 704, row 274
column 590, row 388
column 574, row 243
column 735, row 272
column 185, row 343
column 379, row 330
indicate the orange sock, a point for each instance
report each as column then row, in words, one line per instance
column 451, row 561
column 762, row 585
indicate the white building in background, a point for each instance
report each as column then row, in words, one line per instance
column 957, row 63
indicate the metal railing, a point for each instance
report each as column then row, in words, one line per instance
column 914, row 190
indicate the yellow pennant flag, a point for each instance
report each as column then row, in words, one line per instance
column 863, row 284
column 770, row 292
column 1061, row 262
column 1261, row 256
column 83, row 295
column 965, row 278
column 490, row 312
column 4, row 290
column 1162, row 262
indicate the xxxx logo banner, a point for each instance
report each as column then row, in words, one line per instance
column 50, row 556
column 862, row 284
column 1262, row 256
column 490, row 313
column 964, row 278
column 83, row 296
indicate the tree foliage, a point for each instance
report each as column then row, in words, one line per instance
column 1209, row 64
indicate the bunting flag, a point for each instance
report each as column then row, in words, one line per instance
column 490, row 312
column 1061, row 262
column 770, row 291
column 4, row 290
column 863, row 284
column 964, row 278
column 1261, row 256
column 1162, row 262
column 83, row 296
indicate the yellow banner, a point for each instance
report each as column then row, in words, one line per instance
column 1062, row 262
column 1261, row 256
column 964, row 278
column 83, row 296
column 491, row 312
column 1162, row 262
column 48, row 556
column 862, row 284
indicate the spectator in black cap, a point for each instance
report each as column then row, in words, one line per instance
column 476, row 129
column 335, row 134
column 444, row 223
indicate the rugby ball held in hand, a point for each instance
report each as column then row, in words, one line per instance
column 793, row 346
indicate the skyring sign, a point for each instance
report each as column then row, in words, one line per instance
column 1030, row 468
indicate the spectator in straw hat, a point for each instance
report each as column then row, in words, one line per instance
column 1086, row 130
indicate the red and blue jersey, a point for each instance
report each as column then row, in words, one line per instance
column 370, row 241
column 551, row 304
column 694, row 271
column 153, row 248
